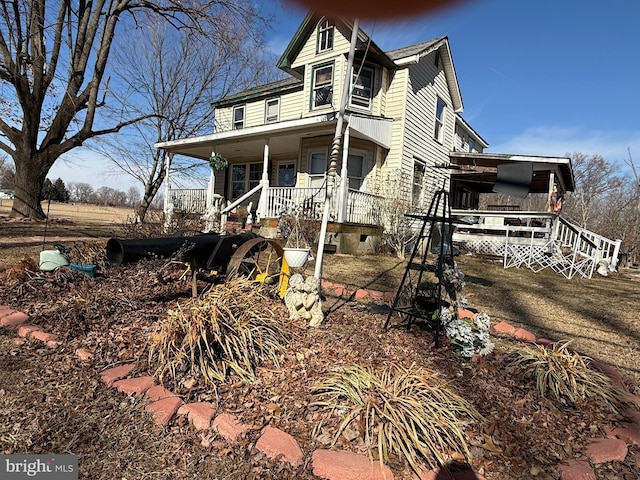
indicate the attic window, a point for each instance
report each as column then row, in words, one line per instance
column 436, row 60
column 325, row 36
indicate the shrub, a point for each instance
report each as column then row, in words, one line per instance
column 231, row 329
column 405, row 411
column 565, row 374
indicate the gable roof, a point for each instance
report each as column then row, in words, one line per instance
column 413, row 53
column 393, row 59
column 308, row 26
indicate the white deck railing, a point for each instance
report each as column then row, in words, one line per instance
column 535, row 239
column 588, row 243
column 192, row 200
column 282, row 200
column 363, row 208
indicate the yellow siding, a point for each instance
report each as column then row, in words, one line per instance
column 291, row 106
column 395, row 108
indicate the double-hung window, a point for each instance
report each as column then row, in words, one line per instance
column 238, row 117
column 322, row 85
column 355, row 170
column 438, row 133
column 317, row 168
column 361, row 88
column 272, row 110
column 244, row 177
column 325, row 36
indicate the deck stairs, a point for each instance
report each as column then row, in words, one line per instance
column 569, row 250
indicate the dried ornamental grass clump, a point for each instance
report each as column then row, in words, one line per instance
column 565, row 374
column 231, row 329
column 404, row 411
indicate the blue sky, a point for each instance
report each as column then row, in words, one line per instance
column 537, row 77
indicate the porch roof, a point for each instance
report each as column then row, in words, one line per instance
column 479, row 170
column 284, row 137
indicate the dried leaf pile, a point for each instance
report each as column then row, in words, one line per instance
column 57, row 405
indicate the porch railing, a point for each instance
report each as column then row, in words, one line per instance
column 535, row 239
column 363, row 208
column 588, row 243
column 285, row 199
column 192, row 200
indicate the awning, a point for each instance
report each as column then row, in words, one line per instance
column 478, row 171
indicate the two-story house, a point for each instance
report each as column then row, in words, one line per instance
column 402, row 124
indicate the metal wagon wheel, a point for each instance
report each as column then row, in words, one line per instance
column 262, row 260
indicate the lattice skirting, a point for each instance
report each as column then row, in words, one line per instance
column 483, row 246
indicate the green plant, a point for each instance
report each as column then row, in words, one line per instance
column 566, row 374
column 218, row 162
column 405, row 411
column 231, row 329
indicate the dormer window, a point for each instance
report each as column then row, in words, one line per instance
column 325, row 36
column 322, row 85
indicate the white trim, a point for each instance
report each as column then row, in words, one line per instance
column 266, row 110
column 242, row 107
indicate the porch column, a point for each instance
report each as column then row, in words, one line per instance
column 552, row 181
column 262, row 205
column 210, row 208
column 168, row 204
column 343, row 189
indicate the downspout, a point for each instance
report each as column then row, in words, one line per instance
column 335, row 150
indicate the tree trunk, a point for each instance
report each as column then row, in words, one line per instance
column 150, row 191
column 30, row 176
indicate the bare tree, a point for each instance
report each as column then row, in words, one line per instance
column 595, row 179
column 80, row 192
column 53, row 75
column 7, row 174
column 177, row 75
column 133, row 197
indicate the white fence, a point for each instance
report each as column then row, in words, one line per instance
column 192, row 200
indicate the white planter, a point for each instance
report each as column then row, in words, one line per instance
column 296, row 257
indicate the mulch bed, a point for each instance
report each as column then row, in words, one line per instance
column 525, row 436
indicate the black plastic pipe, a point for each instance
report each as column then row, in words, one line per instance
column 210, row 250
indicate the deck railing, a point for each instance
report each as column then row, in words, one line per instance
column 363, row 208
column 285, row 199
column 191, row 200
column 533, row 239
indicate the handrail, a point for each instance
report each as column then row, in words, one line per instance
column 241, row 199
column 578, row 231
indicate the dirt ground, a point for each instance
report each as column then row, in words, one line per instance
column 55, row 403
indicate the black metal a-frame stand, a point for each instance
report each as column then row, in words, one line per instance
column 422, row 292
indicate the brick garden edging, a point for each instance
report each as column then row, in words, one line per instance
column 163, row 405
